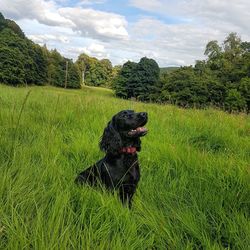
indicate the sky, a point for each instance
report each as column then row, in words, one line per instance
column 173, row 32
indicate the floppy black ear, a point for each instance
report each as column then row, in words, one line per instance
column 111, row 141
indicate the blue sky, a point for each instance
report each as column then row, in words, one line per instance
column 171, row 32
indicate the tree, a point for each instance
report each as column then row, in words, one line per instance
column 200, row 67
column 94, row 72
column 15, row 28
column 214, row 53
column 125, row 81
column 148, row 75
column 83, row 63
column 245, row 46
column 24, row 62
column 216, row 92
column 244, row 90
column 115, row 71
column 30, row 63
column 12, row 68
column 107, row 69
column 232, row 44
column 234, row 101
column 56, row 69
column 213, row 50
column 185, row 88
column 2, row 22
column 15, row 56
column 73, row 75
column 40, row 64
column 138, row 80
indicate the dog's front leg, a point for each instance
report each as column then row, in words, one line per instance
column 126, row 192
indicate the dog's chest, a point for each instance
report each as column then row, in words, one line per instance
column 126, row 171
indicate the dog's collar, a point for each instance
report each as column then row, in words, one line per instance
column 128, row 150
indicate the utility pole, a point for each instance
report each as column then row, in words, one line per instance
column 66, row 75
column 83, row 72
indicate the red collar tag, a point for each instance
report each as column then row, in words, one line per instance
column 129, row 150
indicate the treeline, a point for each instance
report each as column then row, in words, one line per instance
column 22, row 62
column 223, row 80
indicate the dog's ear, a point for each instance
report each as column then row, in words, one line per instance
column 111, row 141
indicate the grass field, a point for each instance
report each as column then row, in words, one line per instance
column 194, row 191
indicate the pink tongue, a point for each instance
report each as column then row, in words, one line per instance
column 137, row 130
column 140, row 129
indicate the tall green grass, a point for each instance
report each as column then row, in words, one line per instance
column 194, row 191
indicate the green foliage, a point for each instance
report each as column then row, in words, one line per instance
column 40, row 65
column 115, row 71
column 73, row 75
column 222, row 80
column 213, row 50
column 194, row 191
column 57, row 71
column 234, row 101
column 2, row 22
column 23, row 62
column 15, row 28
column 244, row 89
column 125, row 82
column 12, row 67
column 15, row 63
column 185, row 88
column 148, row 73
column 138, row 80
column 94, row 72
column 166, row 70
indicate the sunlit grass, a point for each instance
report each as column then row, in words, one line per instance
column 194, row 191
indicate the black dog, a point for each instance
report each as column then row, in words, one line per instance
column 119, row 169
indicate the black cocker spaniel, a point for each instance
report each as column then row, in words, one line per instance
column 119, row 169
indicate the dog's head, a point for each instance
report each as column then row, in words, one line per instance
column 125, row 127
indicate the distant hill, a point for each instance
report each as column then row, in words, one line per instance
column 168, row 69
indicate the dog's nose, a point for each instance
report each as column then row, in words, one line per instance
column 144, row 114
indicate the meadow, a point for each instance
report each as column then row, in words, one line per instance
column 194, row 191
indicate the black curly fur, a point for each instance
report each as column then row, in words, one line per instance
column 111, row 140
column 117, row 170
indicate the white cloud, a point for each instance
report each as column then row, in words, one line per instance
column 45, row 38
column 175, row 32
column 43, row 11
column 96, row 24
column 168, row 44
column 223, row 15
column 89, row 22
column 93, row 49
column 96, row 48
column 195, row 23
